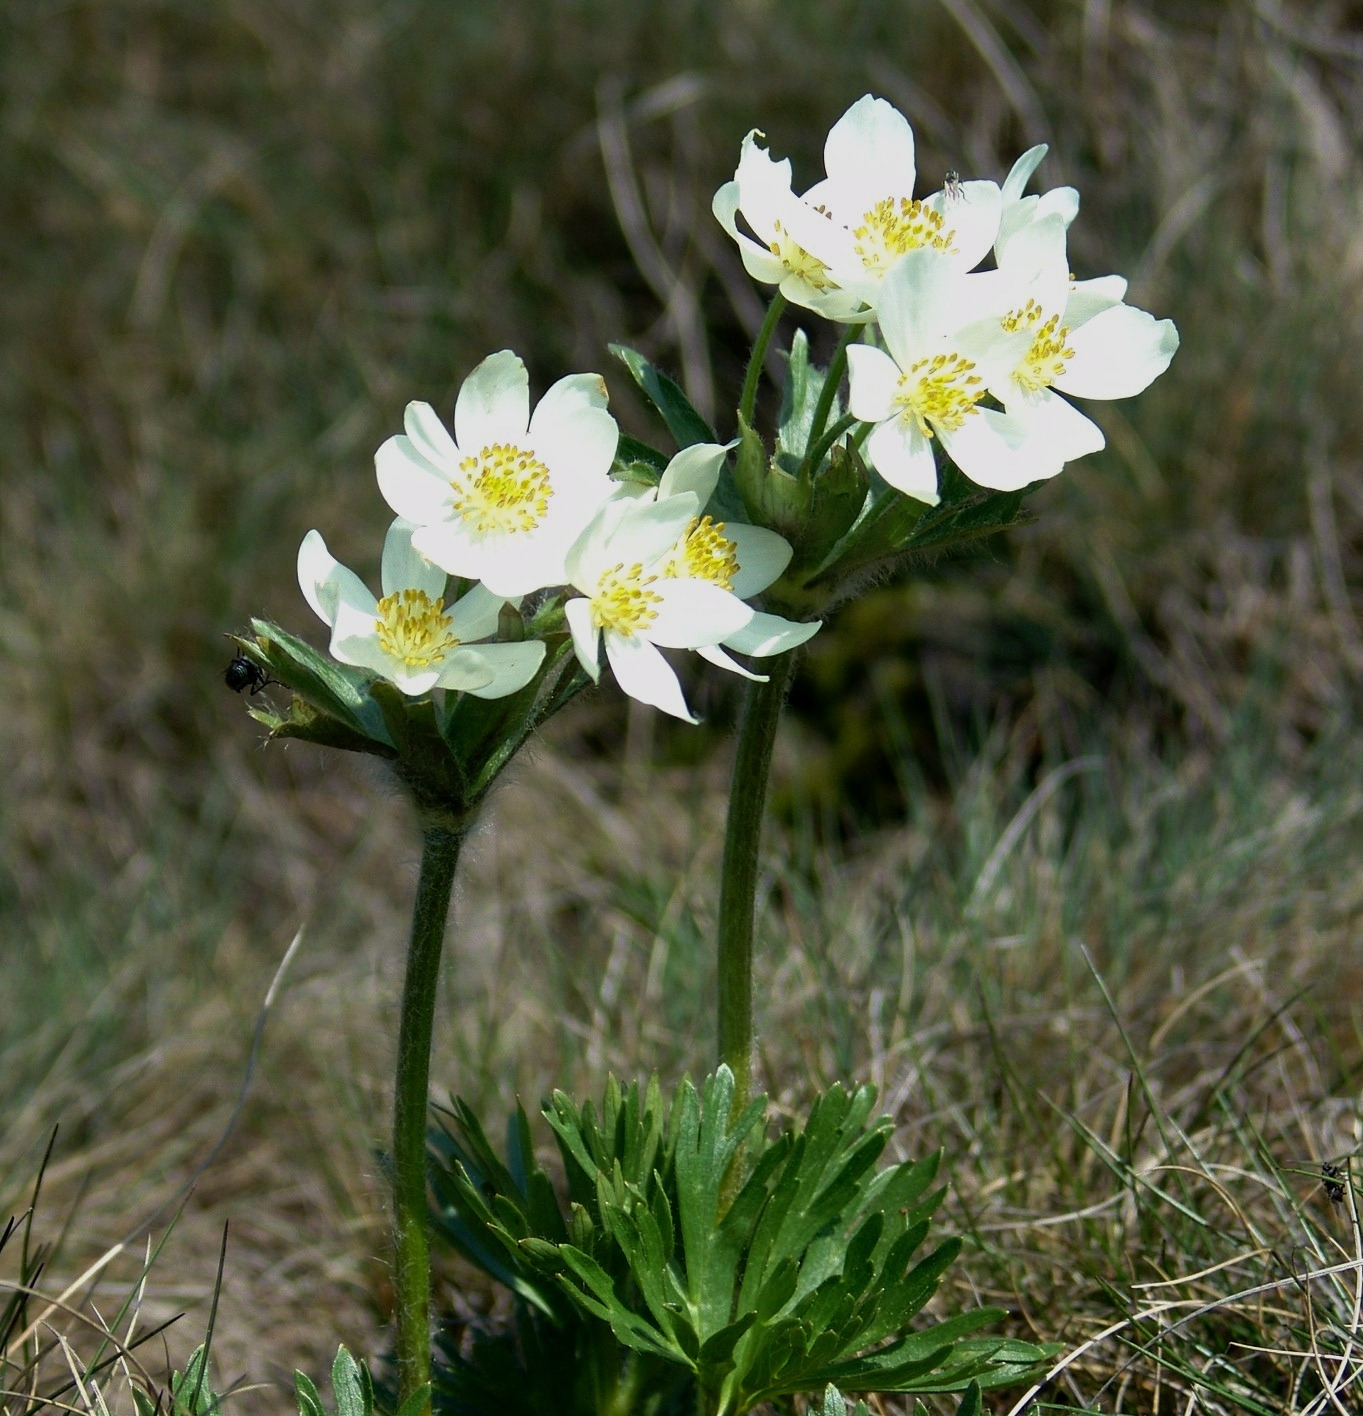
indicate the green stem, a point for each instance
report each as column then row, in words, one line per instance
column 738, row 877
column 412, row 1265
column 837, row 366
column 748, row 402
column 819, row 450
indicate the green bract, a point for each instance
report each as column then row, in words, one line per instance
column 810, row 1275
column 446, row 749
column 843, row 521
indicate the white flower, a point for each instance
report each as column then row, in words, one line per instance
column 1019, row 210
column 1083, row 341
column 943, row 358
column 630, row 602
column 408, row 636
column 503, row 499
column 739, row 558
column 782, row 221
column 831, row 248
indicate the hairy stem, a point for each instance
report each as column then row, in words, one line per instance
column 412, row 1264
column 738, row 878
column 748, row 402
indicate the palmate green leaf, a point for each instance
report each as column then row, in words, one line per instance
column 351, row 1386
column 707, row 1141
column 309, row 1398
column 683, row 421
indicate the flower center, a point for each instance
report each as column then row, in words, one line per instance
column 1044, row 361
column 704, row 553
column 798, row 261
column 940, row 391
column 504, row 488
column 414, row 628
column 623, row 601
column 895, row 226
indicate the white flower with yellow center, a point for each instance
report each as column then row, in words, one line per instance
column 853, row 227
column 410, row 636
column 1083, row 341
column 943, row 359
column 503, row 499
column 629, row 601
column 782, row 223
column 742, row 559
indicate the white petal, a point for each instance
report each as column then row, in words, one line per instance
column 713, row 654
column 1118, row 353
column 757, row 260
column 572, row 391
column 874, row 382
column 1058, row 426
column 903, row 456
column 474, row 615
column 405, row 568
column 869, row 154
column 1016, row 182
column 354, row 636
column 586, row 636
column 321, row 577
column 694, row 612
column 1059, row 201
column 645, row 675
column 762, row 556
column 429, row 436
column 576, row 441
column 1036, row 263
column 501, row 668
column 413, row 682
column 510, row 565
column 770, row 634
column 409, row 484
column 693, row 469
column 1091, row 297
column 493, row 404
column 466, row 670
column 995, row 451
column 915, row 303
column 972, row 218
column 763, row 187
column 629, row 533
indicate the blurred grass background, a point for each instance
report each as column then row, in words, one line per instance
column 237, row 237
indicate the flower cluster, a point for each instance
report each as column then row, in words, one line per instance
column 973, row 359
column 515, row 504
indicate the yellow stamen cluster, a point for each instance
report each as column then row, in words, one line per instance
column 414, row 628
column 798, row 261
column 1044, row 361
column 704, row 553
column 623, row 602
column 939, row 391
column 504, row 488
column 897, row 225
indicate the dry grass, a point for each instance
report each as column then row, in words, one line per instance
column 238, row 237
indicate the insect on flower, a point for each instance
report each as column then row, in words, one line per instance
column 242, row 674
column 951, row 187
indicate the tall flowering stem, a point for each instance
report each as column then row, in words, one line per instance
column 738, row 877
column 412, row 1265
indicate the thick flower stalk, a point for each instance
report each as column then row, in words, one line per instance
column 959, row 381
